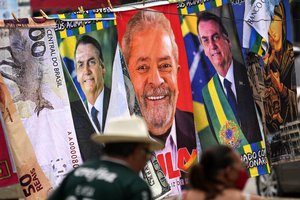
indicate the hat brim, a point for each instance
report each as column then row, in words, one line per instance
column 153, row 144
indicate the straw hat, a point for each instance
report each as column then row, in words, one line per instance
column 127, row 129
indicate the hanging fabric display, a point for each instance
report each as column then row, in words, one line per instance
column 8, row 174
column 95, row 30
column 31, row 69
column 223, row 103
column 257, row 19
column 279, row 71
column 281, row 108
column 280, row 95
column 179, row 66
column 83, row 126
column 152, row 44
column 32, row 179
column 98, row 37
column 275, row 88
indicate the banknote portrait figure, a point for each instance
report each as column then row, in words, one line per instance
column 227, row 96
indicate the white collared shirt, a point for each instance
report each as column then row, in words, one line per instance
column 171, row 146
column 230, row 77
column 99, row 106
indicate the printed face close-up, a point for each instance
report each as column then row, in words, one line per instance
column 275, row 33
column 216, row 46
column 89, row 69
column 153, row 70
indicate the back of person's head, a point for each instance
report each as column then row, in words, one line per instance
column 85, row 39
column 123, row 149
column 127, row 139
column 205, row 175
column 207, row 16
column 146, row 19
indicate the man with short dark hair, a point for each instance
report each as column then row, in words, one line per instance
column 116, row 176
column 90, row 72
column 227, row 96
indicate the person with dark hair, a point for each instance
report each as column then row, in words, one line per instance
column 90, row 70
column 128, row 147
column 279, row 74
column 215, row 176
column 151, row 53
column 227, row 96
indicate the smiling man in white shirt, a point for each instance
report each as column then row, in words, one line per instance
column 151, row 54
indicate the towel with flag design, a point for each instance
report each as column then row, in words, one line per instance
column 204, row 78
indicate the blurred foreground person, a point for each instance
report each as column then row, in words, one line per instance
column 216, row 176
column 127, row 149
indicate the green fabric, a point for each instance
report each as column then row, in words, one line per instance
column 210, row 108
column 207, row 138
column 230, row 134
column 256, row 44
column 103, row 180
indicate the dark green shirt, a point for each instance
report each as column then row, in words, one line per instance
column 102, row 179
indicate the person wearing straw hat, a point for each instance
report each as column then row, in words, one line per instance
column 128, row 147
